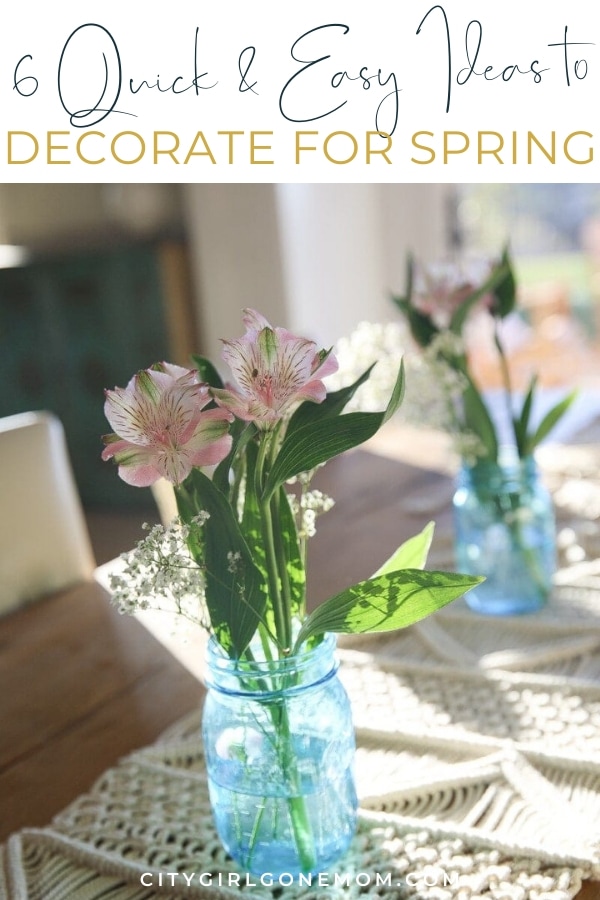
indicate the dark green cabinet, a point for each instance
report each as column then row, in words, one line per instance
column 72, row 326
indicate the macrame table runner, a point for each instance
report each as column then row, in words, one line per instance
column 478, row 758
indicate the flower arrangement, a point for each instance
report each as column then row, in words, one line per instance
column 240, row 545
column 279, row 760
column 437, row 305
column 504, row 521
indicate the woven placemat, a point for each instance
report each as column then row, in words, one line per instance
column 478, row 762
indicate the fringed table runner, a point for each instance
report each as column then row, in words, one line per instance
column 478, row 763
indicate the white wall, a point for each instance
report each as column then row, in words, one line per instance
column 333, row 257
column 317, row 258
column 236, row 258
column 344, row 249
column 415, row 217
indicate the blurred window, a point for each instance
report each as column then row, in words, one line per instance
column 554, row 234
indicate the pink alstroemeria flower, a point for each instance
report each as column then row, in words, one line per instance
column 161, row 426
column 441, row 288
column 274, row 369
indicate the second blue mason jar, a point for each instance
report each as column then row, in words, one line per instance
column 505, row 530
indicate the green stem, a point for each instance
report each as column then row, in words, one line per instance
column 255, row 831
column 282, row 565
column 281, row 620
column 239, row 473
column 302, row 542
column 280, row 594
column 510, row 518
column 459, row 364
column 299, row 817
column 529, row 555
column 298, row 813
column 282, row 561
column 282, row 623
column 508, row 391
column 264, row 640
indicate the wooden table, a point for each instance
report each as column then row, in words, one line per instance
column 83, row 685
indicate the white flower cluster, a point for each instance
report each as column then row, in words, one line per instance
column 370, row 342
column 434, row 392
column 434, row 389
column 445, row 344
column 306, row 508
column 234, row 561
column 468, row 446
column 160, row 574
column 304, row 478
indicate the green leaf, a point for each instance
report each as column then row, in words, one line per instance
column 410, row 276
column 241, row 432
column 291, row 547
column 319, row 441
column 285, row 538
column 549, row 421
column 332, row 405
column 385, row 603
column 421, row 326
column 505, row 291
column 286, row 532
column 521, row 425
column 187, row 510
column 251, row 521
column 397, row 397
column 235, row 599
column 207, row 371
column 499, row 279
column 478, row 420
column 252, row 528
column 412, row 554
column 405, row 302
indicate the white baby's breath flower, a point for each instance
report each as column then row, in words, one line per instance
column 308, row 527
column 316, row 501
column 234, row 561
column 445, row 344
column 371, row 342
column 306, row 508
column 160, row 574
column 469, row 447
column 434, row 389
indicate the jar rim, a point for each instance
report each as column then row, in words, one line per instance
column 507, row 463
column 309, row 667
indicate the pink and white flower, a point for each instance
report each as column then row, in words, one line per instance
column 441, row 288
column 274, row 369
column 161, row 427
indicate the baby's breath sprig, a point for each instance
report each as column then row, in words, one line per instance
column 160, row 574
column 434, row 389
column 306, row 506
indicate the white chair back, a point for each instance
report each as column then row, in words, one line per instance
column 44, row 542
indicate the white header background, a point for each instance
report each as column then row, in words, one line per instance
column 243, row 67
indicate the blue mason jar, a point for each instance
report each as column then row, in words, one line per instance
column 279, row 748
column 505, row 530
